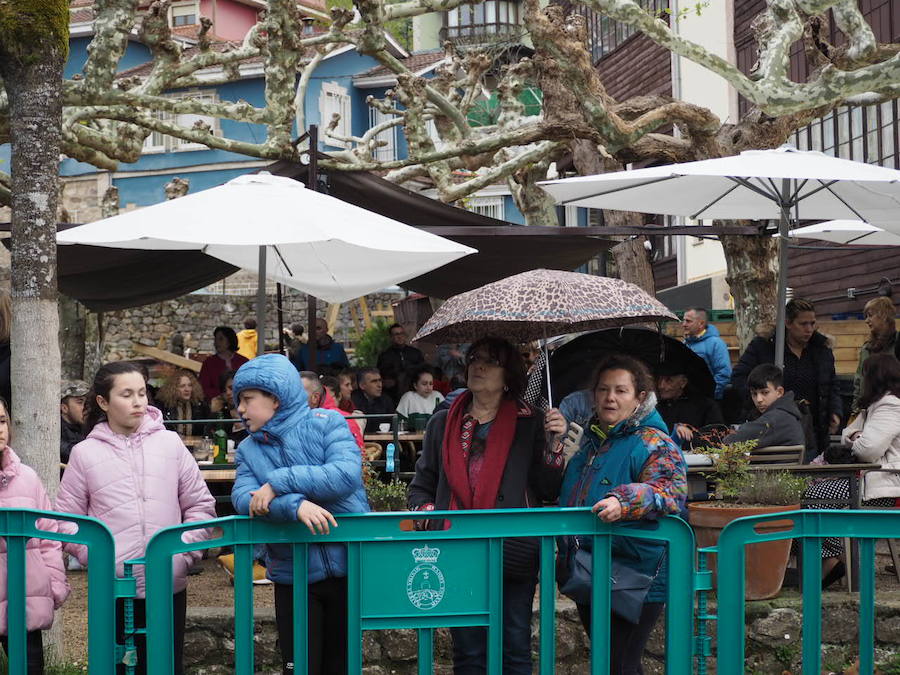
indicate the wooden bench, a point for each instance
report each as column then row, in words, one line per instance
column 777, row 454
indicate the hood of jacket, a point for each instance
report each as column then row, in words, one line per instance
column 787, row 404
column 710, row 332
column 328, row 401
column 275, row 374
column 645, row 415
column 153, row 421
column 9, row 465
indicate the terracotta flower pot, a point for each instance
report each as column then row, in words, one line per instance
column 765, row 562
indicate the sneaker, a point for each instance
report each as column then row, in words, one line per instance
column 259, row 575
column 259, row 572
column 226, row 562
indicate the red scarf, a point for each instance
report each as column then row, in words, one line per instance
column 457, row 443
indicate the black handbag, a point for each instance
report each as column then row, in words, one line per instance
column 575, row 579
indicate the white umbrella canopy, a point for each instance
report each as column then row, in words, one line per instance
column 781, row 184
column 313, row 242
column 745, row 186
column 848, row 232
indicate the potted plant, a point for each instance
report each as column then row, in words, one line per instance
column 389, row 496
column 740, row 492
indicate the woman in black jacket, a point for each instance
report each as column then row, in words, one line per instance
column 808, row 368
column 489, row 450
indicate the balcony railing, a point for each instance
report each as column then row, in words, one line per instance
column 480, row 33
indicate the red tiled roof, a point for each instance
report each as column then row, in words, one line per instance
column 318, row 5
column 81, row 15
column 415, row 62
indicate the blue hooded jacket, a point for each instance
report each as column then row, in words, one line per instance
column 714, row 351
column 302, row 454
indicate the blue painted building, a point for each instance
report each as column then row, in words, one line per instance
column 340, row 84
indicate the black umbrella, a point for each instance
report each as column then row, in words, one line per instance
column 572, row 365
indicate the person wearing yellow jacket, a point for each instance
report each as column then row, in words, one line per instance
column 247, row 339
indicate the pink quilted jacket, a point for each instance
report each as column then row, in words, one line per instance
column 136, row 484
column 45, row 578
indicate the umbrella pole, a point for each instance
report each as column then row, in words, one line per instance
column 782, row 272
column 313, row 184
column 547, row 372
column 279, row 312
column 311, row 342
column 261, row 304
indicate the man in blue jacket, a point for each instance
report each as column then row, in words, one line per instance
column 330, row 355
column 299, row 464
column 705, row 341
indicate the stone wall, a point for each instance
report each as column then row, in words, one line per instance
column 773, row 640
column 196, row 316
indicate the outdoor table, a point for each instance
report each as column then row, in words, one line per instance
column 401, row 436
column 218, row 473
column 851, row 472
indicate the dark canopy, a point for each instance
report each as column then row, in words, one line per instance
column 106, row 279
column 504, row 248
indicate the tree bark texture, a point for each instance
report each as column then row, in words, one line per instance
column 752, row 273
column 71, row 337
column 633, row 263
column 33, row 49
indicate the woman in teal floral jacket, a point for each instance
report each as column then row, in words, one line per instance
column 627, row 469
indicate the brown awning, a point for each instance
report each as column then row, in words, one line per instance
column 504, row 248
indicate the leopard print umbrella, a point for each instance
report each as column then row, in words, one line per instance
column 540, row 304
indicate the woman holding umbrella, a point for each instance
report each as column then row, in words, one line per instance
column 627, row 469
column 489, row 451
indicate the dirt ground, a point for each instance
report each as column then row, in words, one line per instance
column 209, row 588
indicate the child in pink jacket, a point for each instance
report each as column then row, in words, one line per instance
column 138, row 478
column 45, row 577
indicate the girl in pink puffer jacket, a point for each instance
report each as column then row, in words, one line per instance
column 45, row 577
column 138, row 478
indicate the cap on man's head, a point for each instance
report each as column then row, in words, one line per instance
column 670, row 368
column 73, row 388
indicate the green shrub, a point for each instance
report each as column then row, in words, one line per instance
column 390, row 496
column 736, row 483
column 772, row 488
column 374, row 340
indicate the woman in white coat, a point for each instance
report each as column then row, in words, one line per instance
column 873, row 438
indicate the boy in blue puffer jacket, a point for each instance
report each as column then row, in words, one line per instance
column 298, row 464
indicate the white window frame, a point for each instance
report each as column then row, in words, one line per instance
column 571, row 216
column 385, row 153
column 188, row 8
column 334, row 98
column 157, row 142
column 492, row 207
column 431, row 130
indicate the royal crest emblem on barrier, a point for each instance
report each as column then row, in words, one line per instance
column 425, row 584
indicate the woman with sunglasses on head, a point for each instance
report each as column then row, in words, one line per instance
column 489, row 450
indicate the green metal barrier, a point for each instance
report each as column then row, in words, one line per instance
column 19, row 525
column 423, row 580
column 809, row 526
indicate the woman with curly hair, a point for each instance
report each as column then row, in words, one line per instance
column 181, row 398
